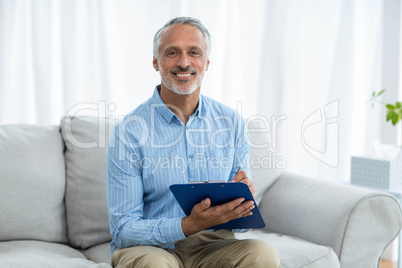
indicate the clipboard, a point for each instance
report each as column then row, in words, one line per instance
column 187, row 195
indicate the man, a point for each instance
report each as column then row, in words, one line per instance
column 179, row 136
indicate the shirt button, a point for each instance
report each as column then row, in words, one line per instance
column 190, row 156
column 187, row 127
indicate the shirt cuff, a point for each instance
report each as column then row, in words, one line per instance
column 174, row 231
column 241, row 230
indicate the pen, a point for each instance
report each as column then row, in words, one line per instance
column 238, row 170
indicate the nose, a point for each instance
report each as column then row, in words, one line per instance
column 183, row 61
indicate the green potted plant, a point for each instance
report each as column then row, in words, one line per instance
column 394, row 111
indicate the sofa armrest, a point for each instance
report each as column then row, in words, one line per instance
column 356, row 223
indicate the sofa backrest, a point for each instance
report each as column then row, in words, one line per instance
column 32, row 184
column 86, row 140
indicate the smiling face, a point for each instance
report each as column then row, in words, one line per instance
column 182, row 59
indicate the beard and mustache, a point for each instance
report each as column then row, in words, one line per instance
column 186, row 87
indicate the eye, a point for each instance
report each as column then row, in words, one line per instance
column 171, row 53
column 194, row 53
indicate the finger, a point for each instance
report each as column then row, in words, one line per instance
column 247, row 181
column 243, row 207
column 250, row 185
column 239, row 176
column 248, row 210
column 252, row 190
column 245, row 214
column 206, row 203
column 227, row 207
column 202, row 206
column 242, row 210
column 247, row 206
column 248, row 214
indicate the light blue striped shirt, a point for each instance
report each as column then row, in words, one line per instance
column 150, row 149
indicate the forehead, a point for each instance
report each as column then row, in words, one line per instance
column 182, row 36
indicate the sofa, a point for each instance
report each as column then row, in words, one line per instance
column 53, row 209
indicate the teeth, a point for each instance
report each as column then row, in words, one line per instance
column 183, row 75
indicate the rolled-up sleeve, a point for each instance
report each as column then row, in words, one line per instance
column 125, row 201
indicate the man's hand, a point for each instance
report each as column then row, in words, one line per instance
column 204, row 216
column 242, row 177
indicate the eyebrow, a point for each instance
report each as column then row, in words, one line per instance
column 177, row 48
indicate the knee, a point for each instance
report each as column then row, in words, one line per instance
column 141, row 257
column 261, row 254
column 158, row 260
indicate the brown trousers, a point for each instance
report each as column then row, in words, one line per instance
column 209, row 249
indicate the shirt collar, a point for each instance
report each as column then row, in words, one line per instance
column 200, row 108
column 166, row 112
column 161, row 107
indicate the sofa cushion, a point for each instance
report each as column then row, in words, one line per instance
column 99, row 253
column 263, row 160
column 32, row 183
column 86, row 144
column 295, row 252
column 43, row 254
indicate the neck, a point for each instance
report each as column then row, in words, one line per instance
column 181, row 105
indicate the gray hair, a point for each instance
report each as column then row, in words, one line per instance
column 183, row 21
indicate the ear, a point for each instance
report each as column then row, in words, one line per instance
column 206, row 68
column 155, row 64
